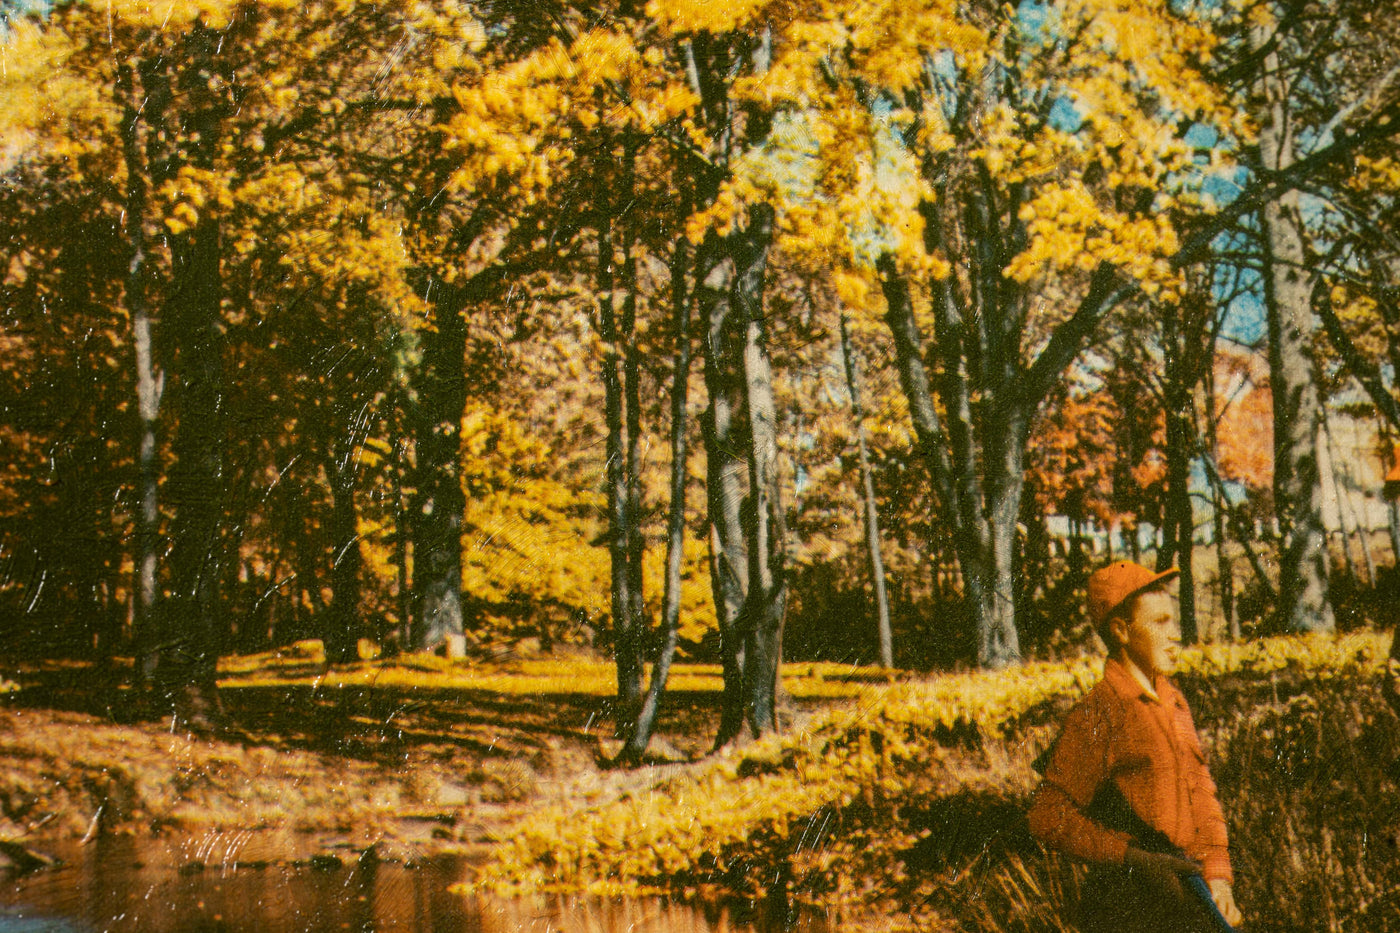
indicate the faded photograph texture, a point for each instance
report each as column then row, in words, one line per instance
column 688, row 466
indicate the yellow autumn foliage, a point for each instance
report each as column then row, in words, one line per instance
column 1062, row 116
column 821, row 806
column 521, row 677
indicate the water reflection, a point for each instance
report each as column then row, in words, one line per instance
column 10, row 923
column 591, row 915
column 118, row 887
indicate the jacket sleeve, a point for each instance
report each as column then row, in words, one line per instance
column 1211, row 844
column 1079, row 763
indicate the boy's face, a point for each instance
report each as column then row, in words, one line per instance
column 1152, row 634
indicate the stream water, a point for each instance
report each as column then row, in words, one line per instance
column 115, row 887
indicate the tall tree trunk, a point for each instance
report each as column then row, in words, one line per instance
column 437, row 520
column 1181, row 525
column 1180, row 538
column 1330, row 482
column 724, row 469
column 872, row 515
column 632, row 391
column 399, row 638
column 748, row 533
column 620, row 459
column 342, row 630
column 1219, row 505
column 642, row 729
column 193, row 625
column 998, row 642
column 928, row 427
column 343, row 626
column 636, row 544
column 1394, row 532
column 149, row 380
column 746, row 563
column 765, row 602
column 982, row 514
column 188, row 651
column 1303, row 558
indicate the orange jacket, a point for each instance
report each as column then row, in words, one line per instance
column 1149, row 748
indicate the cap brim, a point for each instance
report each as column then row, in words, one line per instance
column 1156, row 579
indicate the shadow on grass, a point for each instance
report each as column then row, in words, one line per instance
column 967, row 827
column 371, row 723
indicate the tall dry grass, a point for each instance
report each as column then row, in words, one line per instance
column 1308, row 774
column 907, row 811
column 1308, row 770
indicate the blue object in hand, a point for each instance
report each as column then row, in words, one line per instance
column 1197, row 886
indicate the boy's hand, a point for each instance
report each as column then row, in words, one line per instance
column 1163, row 872
column 1224, row 897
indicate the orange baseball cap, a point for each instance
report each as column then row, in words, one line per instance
column 1111, row 586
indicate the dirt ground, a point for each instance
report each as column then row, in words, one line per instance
column 300, row 773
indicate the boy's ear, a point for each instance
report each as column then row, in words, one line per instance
column 1117, row 632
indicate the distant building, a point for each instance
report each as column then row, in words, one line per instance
column 1351, row 451
column 1353, row 462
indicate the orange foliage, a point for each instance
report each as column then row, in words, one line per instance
column 1074, row 456
column 1245, row 421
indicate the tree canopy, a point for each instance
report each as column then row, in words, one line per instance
column 712, row 328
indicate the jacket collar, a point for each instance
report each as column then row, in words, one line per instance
column 1124, row 684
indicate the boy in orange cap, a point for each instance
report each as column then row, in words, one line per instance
column 1126, row 787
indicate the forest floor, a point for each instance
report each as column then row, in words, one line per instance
column 410, row 758
column 403, row 759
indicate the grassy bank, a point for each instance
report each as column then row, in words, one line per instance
column 896, row 805
column 907, row 806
